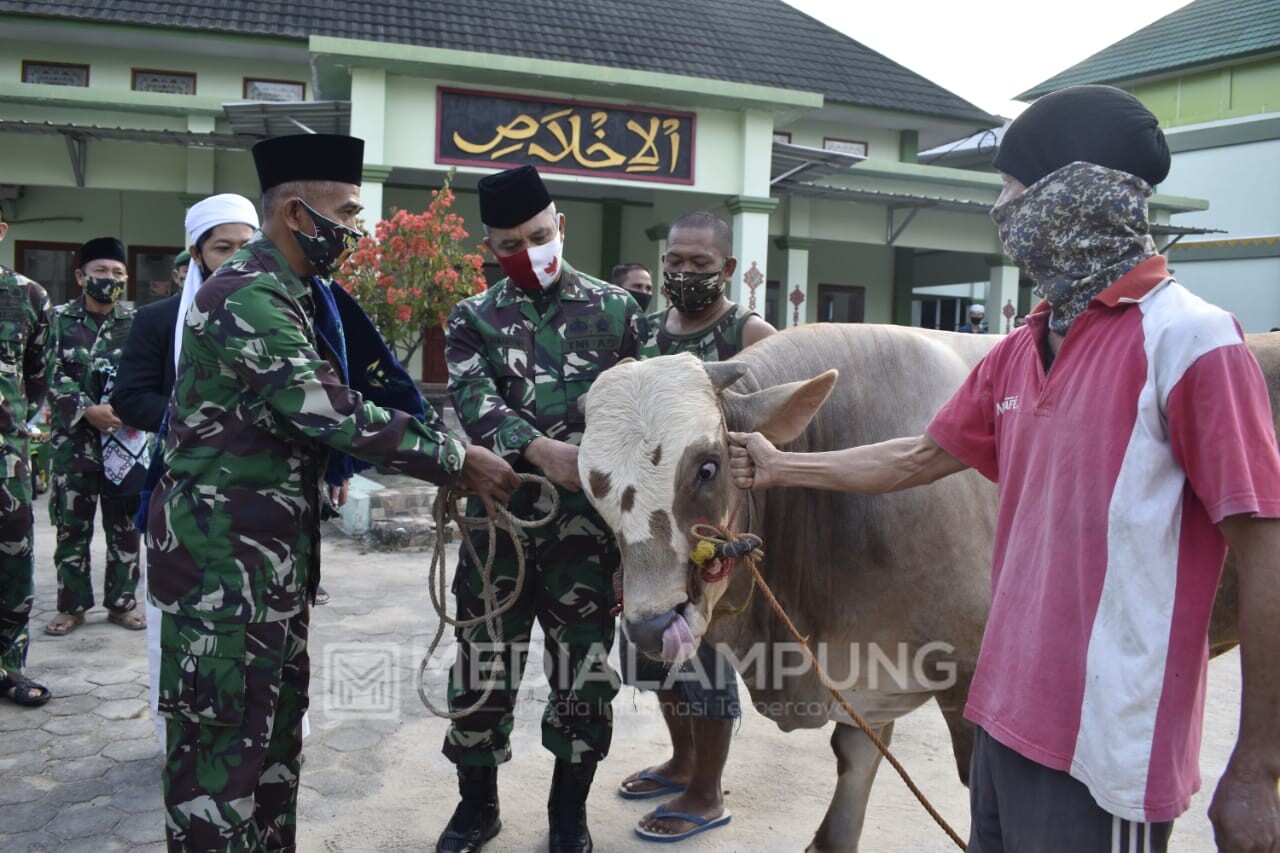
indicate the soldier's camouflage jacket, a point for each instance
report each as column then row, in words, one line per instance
column 84, row 352
column 233, row 528
column 24, row 333
column 517, row 363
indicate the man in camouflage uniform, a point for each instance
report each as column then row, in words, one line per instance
column 86, row 340
column 699, row 700
column 520, row 355
column 24, row 326
column 261, row 408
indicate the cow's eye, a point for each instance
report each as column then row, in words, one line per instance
column 707, row 472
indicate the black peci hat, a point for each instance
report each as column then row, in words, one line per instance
column 309, row 157
column 1094, row 124
column 100, row 248
column 512, row 198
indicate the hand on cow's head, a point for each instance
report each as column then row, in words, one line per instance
column 780, row 413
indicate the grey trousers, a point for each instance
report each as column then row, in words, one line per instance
column 1020, row 806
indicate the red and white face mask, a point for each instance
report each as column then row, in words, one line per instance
column 537, row 268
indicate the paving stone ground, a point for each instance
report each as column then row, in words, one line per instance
column 83, row 772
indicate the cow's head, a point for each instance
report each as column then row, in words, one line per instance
column 654, row 462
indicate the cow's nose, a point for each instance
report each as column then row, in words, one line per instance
column 646, row 635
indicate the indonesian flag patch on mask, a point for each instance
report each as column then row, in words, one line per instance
column 537, row 268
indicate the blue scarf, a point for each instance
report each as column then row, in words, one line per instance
column 352, row 339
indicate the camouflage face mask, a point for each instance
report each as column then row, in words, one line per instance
column 691, row 292
column 329, row 247
column 1074, row 232
column 105, row 290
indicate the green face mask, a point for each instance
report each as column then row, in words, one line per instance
column 329, row 246
column 105, row 290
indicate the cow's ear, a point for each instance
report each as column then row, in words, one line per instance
column 782, row 412
column 724, row 373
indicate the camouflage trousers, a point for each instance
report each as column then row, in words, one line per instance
column 233, row 696
column 568, row 589
column 17, row 571
column 72, row 505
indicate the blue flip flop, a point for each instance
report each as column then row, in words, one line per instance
column 668, row 789
column 701, row 824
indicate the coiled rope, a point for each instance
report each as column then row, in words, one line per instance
column 444, row 510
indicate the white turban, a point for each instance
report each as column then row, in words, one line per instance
column 203, row 216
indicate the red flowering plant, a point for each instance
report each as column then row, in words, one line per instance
column 413, row 271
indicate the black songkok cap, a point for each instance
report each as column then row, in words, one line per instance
column 102, row 247
column 512, row 198
column 1094, row 124
column 309, row 157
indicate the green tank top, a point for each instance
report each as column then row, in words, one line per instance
column 720, row 341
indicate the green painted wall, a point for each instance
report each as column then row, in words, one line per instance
column 1199, row 96
column 74, row 216
column 636, row 245
column 936, row 268
column 930, row 229
column 882, row 143
column 110, row 69
column 43, row 161
column 852, row 263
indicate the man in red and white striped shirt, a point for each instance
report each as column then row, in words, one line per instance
column 1129, row 430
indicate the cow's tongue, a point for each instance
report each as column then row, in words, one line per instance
column 678, row 643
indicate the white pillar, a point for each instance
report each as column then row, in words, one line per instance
column 757, row 152
column 752, row 207
column 1001, row 289
column 369, row 110
column 371, row 194
column 368, row 122
column 796, row 244
column 750, row 239
column 796, row 277
column 200, row 161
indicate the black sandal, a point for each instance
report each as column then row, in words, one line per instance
column 26, row 692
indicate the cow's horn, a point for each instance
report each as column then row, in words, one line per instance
column 724, row 373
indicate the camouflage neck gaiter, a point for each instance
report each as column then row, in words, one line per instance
column 1074, row 232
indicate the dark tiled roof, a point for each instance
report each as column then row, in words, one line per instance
column 764, row 42
column 1200, row 33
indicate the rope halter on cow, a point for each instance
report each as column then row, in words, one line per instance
column 718, row 548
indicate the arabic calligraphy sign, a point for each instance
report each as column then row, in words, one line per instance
column 604, row 140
